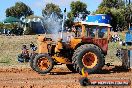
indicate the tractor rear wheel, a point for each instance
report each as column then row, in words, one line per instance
column 88, row 56
column 43, row 63
column 71, row 68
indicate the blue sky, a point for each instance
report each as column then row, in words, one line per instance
column 37, row 5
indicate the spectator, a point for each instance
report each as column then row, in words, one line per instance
column 25, row 51
column 24, row 56
column 115, row 38
column 8, row 32
column 33, row 48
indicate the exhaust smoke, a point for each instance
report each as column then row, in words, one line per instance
column 52, row 25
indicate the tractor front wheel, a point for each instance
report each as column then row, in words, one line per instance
column 43, row 63
column 32, row 61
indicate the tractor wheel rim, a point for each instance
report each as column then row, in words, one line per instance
column 43, row 63
column 89, row 60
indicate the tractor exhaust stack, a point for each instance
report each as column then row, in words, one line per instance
column 63, row 23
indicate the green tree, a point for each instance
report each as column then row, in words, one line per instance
column 1, row 25
column 77, row 7
column 68, row 23
column 117, row 10
column 20, row 9
column 10, row 26
column 51, row 8
column 128, row 12
column 103, row 10
column 112, row 4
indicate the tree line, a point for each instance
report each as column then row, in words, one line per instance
column 119, row 12
column 117, row 9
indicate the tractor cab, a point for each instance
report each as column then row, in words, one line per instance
column 93, row 30
column 91, row 33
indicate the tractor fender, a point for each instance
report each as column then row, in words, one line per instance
column 78, row 45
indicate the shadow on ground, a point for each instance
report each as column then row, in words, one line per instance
column 115, row 69
column 106, row 70
column 60, row 73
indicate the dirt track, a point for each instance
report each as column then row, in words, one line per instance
column 58, row 78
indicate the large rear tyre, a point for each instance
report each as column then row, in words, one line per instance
column 43, row 63
column 88, row 56
column 71, row 68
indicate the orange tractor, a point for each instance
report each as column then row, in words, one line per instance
column 86, row 49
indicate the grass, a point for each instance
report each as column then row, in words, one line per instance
column 10, row 47
column 111, row 54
